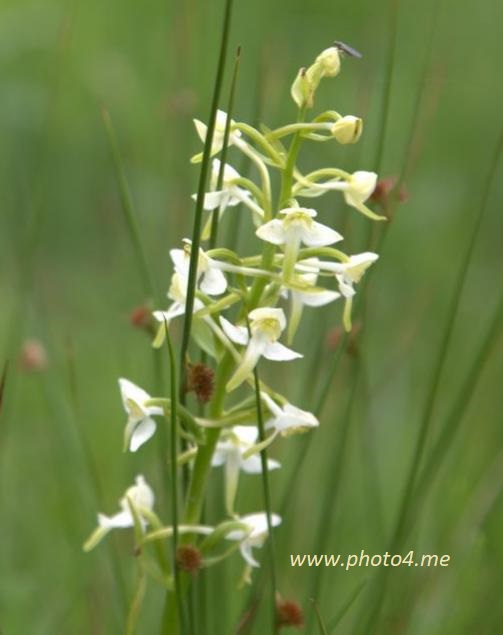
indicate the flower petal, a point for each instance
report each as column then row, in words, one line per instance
column 318, row 235
column 246, row 552
column 253, row 353
column 272, row 232
column 120, row 521
column 317, row 298
column 253, row 465
column 142, row 433
column 132, row 393
column 237, row 334
column 213, row 282
column 277, row 352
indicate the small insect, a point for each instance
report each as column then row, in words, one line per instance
column 348, row 50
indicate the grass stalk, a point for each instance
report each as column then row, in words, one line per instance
column 173, row 416
column 333, row 484
column 459, row 408
column 128, row 209
column 203, row 177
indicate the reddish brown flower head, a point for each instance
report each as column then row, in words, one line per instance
column 385, row 187
column 141, row 317
column 334, row 337
column 33, row 357
column 289, row 614
column 200, row 380
column 189, row 559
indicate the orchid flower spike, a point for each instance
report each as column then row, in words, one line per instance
column 266, row 326
column 229, row 196
column 254, row 536
column 296, row 227
column 140, row 497
column 140, row 425
column 218, row 134
column 288, row 419
column 230, row 453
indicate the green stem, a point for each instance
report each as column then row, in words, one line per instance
column 285, row 195
column 174, row 486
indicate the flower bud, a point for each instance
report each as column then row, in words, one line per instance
column 302, row 90
column 347, row 129
column 330, row 62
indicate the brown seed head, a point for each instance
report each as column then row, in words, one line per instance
column 33, row 357
column 200, row 380
column 289, row 614
column 141, row 318
column 189, row 559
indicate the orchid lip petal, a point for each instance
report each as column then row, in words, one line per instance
column 142, row 433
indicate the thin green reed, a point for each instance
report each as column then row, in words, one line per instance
column 203, row 177
column 458, row 409
column 173, row 420
column 330, row 499
column 394, row 10
column 129, row 209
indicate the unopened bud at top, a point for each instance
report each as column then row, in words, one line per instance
column 330, row 61
column 327, row 64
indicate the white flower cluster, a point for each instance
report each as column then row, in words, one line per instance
column 243, row 306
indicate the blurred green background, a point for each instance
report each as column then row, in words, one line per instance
column 68, row 278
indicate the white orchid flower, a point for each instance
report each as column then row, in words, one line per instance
column 347, row 274
column 296, row 227
column 288, row 419
column 230, row 453
column 229, row 196
column 308, row 296
column 218, row 134
column 356, row 188
column 266, row 326
column 210, row 279
column 140, row 425
column 254, row 536
column 178, row 293
column 140, row 497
